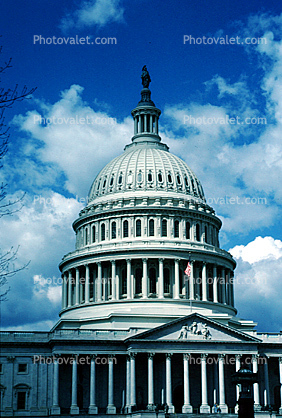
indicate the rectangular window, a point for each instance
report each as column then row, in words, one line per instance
column 21, row 400
column 1, row 368
column 22, row 368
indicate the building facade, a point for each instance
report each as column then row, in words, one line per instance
column 148, row 317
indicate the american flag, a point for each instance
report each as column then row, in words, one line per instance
column 187, row 271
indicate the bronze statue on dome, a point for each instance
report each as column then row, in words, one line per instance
column 146, row 79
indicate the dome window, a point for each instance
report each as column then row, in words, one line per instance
column 164, row 228
column 125, row 229
column 114, row 230
column 197, row 232
column 169, row 178
column 151, row 227
column 186, row 181
column 150, row 177
column 160, row 177
column 188, row 226
column 138, row 228
column 93, row 234
column 176, row 229
column 112, row 180
column 105, row 181
column 98, row 187
column 130, row 178
column 103, row 232
column 178, row 179
column 120, row 179
column 139, row 177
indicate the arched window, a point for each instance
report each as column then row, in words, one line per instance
column 169, row 178
column 178, row 179
column 197, row 232
column 166, row 281
column 176, row 229
column 103, row 232
column 138, row 228
column 152, row 281
column 151, row 228
column 105, row 181
column 120, row 179
column 164, row 228
column 138, row 281
column 160, row 177
column 139, row 177
column 114, row 230
column 150, row 177
column 125, row 229
column 187, row 229
column 93, row 234
column 206, row 234
column 112, row 180
column 86, row 236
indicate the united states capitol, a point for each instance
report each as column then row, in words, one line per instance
column 148, row 324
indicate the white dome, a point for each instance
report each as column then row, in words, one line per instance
column 146, row 167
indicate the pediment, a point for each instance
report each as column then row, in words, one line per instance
column 194, row 327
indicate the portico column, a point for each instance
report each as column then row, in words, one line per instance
column 132, row 381
column 257, row 406
column 55, row 409
column 223, row 286
column 113, row 279
column 168, row 383
column 186, row 408
column 145, row 278
column 128, row 386
column 161, row 278
column 128, row 279
column 87, row 280
column 280, row 375
column 222, row 404
column 150, row 381
column 238, row 387
column 77, row 286
column 74, row 410
column 266, row 382
column 204, row 408
column 191, row 282
column 215, row 293
column 204, row 282
column 176, row 267
column 92, row 405
column 70, row 289
column 111, row 409
column 99, row 282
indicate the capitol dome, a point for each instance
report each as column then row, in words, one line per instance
column 147, row 244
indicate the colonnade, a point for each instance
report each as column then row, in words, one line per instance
column 129, row 400
column 159, row 278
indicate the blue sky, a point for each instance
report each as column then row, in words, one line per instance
column 199, row 88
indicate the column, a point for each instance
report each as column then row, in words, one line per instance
column 161, row 278
column 266, row 382
column 186, row 408
column 204, row 408
column 204, row 282
column 99, row 282
column 128, row 387
column 191, row 282
column 69, row 289
column 65, row 291
column 238, row 387
column 117, row 287
column 223, row 287
column 257, row 406
column 145, row 123
column 55, row 409
column 215, row 292
column 92, row 404
column 132, row 381
column 145, row 278
column 228, row 299
column 168, row 383
column 113, row 279
column 135, row 125
column 176, row 289
column 280, row 375
column 150, row 382
column 232, row 288
column 215, row 384
column 87, row 282
column 128, row 278
column 74, row 410
column 111, row 409
column 222, row 404
column 77, row 300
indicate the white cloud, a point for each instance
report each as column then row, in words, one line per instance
column 93, row 13
column 258, row 284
